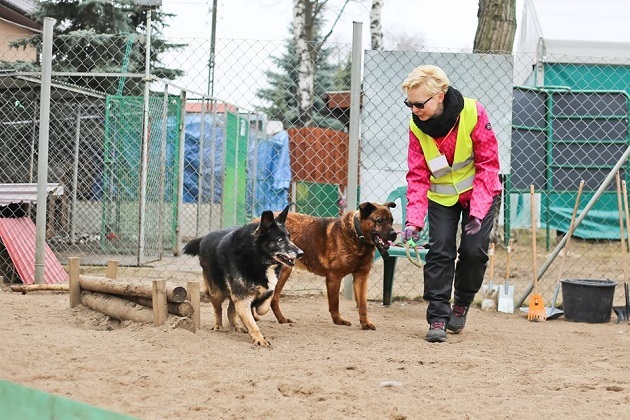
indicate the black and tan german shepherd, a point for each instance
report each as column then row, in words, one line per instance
column 242, row 265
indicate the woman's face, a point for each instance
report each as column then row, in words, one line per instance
column 433, row 105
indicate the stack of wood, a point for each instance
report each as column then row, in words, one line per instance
column 129, row 299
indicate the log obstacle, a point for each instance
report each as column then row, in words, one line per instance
column 54, row 287
column 133, row 300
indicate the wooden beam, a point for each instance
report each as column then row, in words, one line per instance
column 25, row 288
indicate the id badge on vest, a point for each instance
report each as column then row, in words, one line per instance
column 438, row 165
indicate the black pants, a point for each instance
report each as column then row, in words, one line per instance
column 440, row 268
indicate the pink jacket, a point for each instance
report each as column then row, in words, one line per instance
column 486, row 184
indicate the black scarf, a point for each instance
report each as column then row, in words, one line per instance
column 440, row 126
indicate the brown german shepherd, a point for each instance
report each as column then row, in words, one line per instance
column 336, row 247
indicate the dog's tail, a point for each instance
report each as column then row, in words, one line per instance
column 192, row 247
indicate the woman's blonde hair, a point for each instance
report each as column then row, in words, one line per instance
column 429, row 77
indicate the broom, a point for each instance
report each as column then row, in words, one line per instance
column 537, row 310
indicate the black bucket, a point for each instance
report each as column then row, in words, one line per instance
column 588, row 300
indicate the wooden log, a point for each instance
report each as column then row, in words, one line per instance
column 127, row 287
column 184, row 308
column 125, row 310
column 25, row 288
column 116, row 307
column 74, row 282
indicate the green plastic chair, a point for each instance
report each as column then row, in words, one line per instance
column 399, row 196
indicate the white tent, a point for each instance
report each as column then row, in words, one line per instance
column 570, row 31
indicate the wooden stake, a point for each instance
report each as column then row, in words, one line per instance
column 74, row 283
column 160, row 309
column 194, row 297
column 112, row 269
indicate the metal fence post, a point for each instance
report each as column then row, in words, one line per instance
column 354, row 129
column 42, row 159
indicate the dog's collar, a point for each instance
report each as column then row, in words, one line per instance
column 357, row 227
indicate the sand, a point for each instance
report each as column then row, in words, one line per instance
column 501, row 366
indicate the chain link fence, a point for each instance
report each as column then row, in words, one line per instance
column 134, row 177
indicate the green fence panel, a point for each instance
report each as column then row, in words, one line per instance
column 235, row 183
column 21, row 403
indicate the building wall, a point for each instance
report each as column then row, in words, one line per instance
column 9, row 33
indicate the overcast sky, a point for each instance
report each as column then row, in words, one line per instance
column 445, row 23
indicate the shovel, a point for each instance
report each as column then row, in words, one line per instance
column 488, row 302
column 506, row 292
column 553, row 312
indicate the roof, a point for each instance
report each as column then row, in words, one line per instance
column 220, row 107
column 18, row 237
column 25, row 7
column 24, row 193
column 20, row 12
column 11, row 80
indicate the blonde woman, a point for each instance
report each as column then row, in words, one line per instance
column 453, row 177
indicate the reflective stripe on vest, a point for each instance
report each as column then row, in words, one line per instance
column 447, row 183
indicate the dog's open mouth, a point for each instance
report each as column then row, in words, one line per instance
column 380, row 243
column 284, row 260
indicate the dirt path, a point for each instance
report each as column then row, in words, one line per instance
column 501, row 366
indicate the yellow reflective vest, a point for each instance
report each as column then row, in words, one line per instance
column 450, row 181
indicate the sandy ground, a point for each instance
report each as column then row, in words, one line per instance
column 501, row 366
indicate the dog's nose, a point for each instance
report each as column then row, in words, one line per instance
column 392, row 235
column 299, row 253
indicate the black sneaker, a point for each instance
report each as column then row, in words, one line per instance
column 437, row 332
column 457, row 321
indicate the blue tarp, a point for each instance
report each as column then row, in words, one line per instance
column 213, row 134
column 269, row 166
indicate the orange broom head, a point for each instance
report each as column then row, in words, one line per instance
column 537, row 310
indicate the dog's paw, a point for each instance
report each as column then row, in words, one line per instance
column 285, row 321
column 217, row 328
column 240, row 329
column 368, row 326
column 261, row 341
column 341, row 321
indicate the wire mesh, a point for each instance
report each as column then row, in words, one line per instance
column 214, row 159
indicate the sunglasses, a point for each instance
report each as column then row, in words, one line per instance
column 419, row 105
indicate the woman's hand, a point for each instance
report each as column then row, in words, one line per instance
column 473, row 227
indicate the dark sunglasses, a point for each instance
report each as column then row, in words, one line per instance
column 419, row 105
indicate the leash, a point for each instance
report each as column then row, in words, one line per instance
column 409, row 246
column 417, row 261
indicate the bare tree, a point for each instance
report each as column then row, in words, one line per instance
column 376, row 30
column 496, row 26
column 306, row 14
column 302, row 33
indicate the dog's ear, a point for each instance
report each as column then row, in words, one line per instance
column 282, row 217
column 265, row 222
column 366, row 209
column 390, row 204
